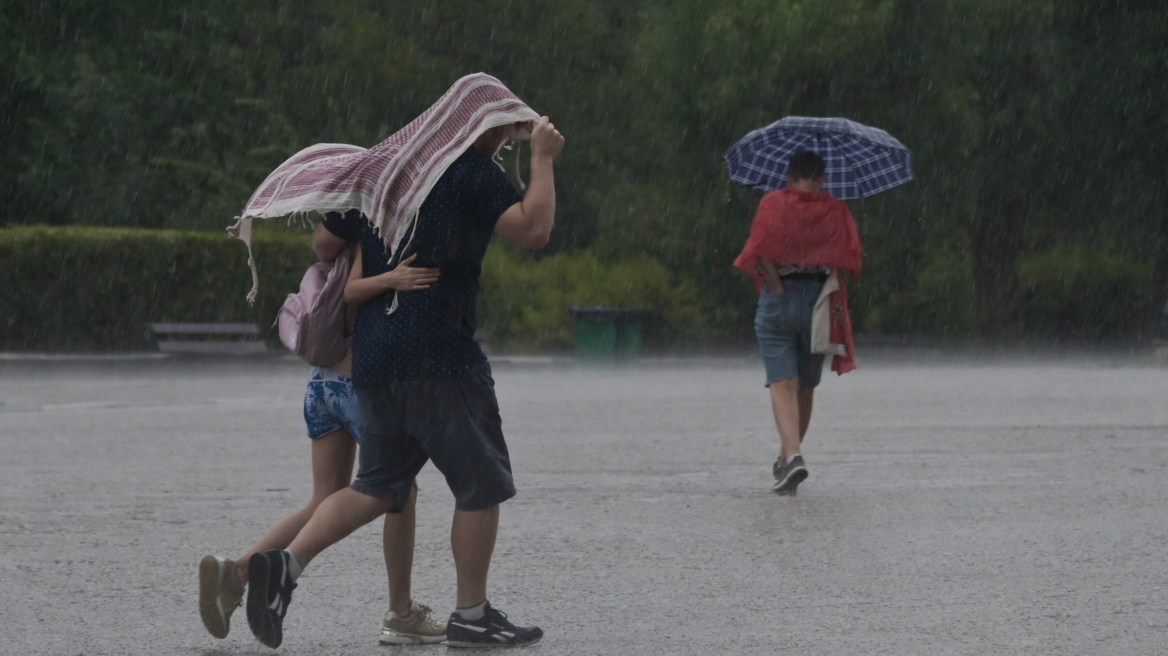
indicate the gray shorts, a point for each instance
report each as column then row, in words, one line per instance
column 452, row 421
column 783, row 326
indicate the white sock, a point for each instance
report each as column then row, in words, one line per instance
column 790, row 458
column 473, row 613
column 294, row 569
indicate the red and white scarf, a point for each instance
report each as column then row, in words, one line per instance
column 389, row 182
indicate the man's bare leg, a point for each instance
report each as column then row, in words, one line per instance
column 339, row 515
column 472, row 538
column 474, row 624
column 273, row 572
column 220, row 588
column 806, row 398
column 398, row 544
column 332, row 469
column 785, row 402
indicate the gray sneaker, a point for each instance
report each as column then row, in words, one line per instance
column 420, row 628
column 493, row 629
column 220, row 593
column 269, row 592
column 789, row 476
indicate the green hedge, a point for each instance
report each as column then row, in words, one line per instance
column 1071, row 292
column 1085, row 294
column 95, row 289
column 941, row 304
column 525, row 301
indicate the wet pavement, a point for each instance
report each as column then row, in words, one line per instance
column 956, row 505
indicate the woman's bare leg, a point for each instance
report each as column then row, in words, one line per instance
column 397, row 540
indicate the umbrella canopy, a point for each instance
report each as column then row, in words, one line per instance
column 861, row 160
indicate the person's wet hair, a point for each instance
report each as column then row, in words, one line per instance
column 805, row 165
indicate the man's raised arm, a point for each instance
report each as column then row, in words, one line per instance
column 529, row 223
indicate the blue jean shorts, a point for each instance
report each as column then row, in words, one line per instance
column 330, row 403
column 783, row 326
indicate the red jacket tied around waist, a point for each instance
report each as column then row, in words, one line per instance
column 808, row 229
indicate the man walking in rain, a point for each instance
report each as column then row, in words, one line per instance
column 423, row 384
column 799, row 237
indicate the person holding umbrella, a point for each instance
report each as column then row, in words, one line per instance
column 800, row 237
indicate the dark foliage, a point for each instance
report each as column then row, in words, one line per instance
column 1036, row 128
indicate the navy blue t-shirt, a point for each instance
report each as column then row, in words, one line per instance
column 431, row 334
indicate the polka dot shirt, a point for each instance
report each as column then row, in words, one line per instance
column 431, row 334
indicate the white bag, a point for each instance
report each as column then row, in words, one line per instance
column 821, row 320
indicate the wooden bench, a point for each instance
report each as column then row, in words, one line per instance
column 246, row 340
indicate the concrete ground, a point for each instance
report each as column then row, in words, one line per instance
column 956, row 505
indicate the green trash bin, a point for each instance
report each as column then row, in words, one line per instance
column 607, row 333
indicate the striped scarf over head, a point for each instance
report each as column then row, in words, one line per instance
column 389, row 182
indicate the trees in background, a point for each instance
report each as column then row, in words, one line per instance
column 1034, row 127
column 1118, row 50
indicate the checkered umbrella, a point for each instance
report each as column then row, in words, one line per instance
column 861, row 161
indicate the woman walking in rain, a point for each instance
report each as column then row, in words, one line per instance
column 800, row 238
column 333, row 421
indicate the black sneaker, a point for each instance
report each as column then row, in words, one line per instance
column 789, row 476
column 491, row 630
column 269, row 591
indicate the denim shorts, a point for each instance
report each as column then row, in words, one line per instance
column 783, row 326
column 452, row 421
column 330, row 403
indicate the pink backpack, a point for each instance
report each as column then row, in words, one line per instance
column 312, row 321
